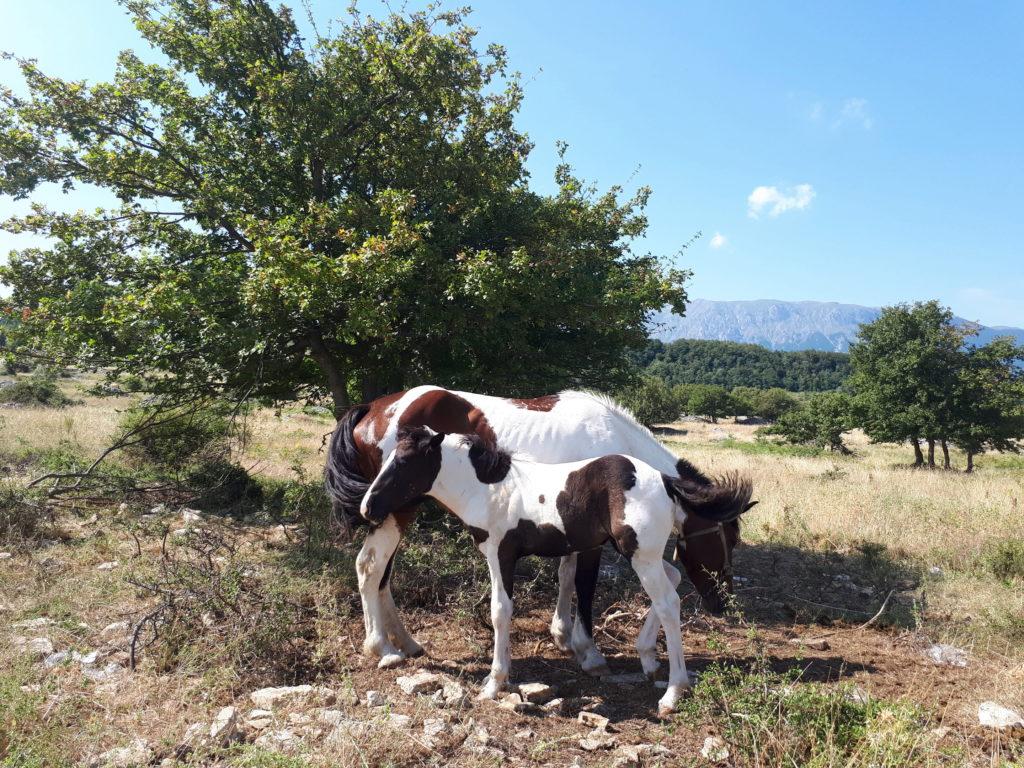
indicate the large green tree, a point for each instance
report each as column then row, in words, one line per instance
column 346, row 215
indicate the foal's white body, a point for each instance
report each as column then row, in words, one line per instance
column 581, row 425
column 528, row 493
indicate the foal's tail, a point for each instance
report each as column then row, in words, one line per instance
column 720, row 500
column 345, row 484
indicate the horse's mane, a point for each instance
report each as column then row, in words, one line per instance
column 611, row 404
column 490, row 463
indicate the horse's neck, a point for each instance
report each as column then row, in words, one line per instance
column 456, row 485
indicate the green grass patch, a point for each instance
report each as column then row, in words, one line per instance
column 768, row 448
column 773, row 718
column 1000, row 461
column 1005, row 559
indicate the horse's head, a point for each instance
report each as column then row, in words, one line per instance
column 711, row 529
column 407, row 474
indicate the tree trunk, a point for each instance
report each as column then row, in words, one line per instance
column 918, row 456
column 931, row 453
column 970, row 460
column 337, row 383
column 945, row 454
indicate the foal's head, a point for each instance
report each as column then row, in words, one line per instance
column 407, row 474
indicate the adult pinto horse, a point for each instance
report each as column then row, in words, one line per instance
column 569, row 426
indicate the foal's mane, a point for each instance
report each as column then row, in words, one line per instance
column 490, row 463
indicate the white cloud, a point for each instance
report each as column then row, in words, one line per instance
column 719, row 241
column 854, row 112
column 776, row 201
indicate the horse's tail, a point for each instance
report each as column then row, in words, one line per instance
column 345, row 484
column 720, row 500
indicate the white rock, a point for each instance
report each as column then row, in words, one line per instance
column 39, row 647
column 536, row 693
column 435, row 726
column 33, row 623
column 331, row 716
column 814, row 643
column 715, row 749
column 936, row 572
column 375, row 699
column 941, row 732
column 85, row 659
column 597, row 741
column 224, row 728
column 525, row 735
column 109, row 566
column 593, row 720
column 56, row 659
column 116, row 631
column 347, row 732
column 254, row 714
column 190, row 515
column 993, row 715
column 396, row 720
column 292, row 695
column 194, row 734
column 111, row 670
column 5, row 555
column 282, row 740
column 947, row 655
column 138, row 753
column 421, row 682
column 858, row 696
column 555, row 705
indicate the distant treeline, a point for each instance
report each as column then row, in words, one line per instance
column 729, row 364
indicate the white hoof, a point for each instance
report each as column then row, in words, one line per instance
column 561, row 637
column 649, row 663
column 490, row 690
column 390, row 660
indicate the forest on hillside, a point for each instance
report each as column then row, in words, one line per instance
column 729, row 364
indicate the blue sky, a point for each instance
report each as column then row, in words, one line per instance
column 854, row 152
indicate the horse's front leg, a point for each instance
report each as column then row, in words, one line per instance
column 373, row 566
column 665, row 603
column 394, row 627
column 501, row 620
column 561, row 622
column 647, row 640
column 587, row 654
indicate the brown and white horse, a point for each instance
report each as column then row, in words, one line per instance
column 514, row 507
column 569, row 426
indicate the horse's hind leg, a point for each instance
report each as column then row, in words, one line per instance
column 587, row 654
column 373, row 566
column 561, row 621
column 666, row 605
column 647, row 640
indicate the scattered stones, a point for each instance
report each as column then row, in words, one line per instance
column 947, row 655
column 224, row 728
column 333, row 717
column 38, row 647
column 936, row 572
column 5, row 555
column 109, row 566
column 109, row 671
column 259, row 719
column 593, row 720
column 858, row 696
column 282, row 740
column 138, row 753
column 435, row 726
column 375, row 699
column 346, row 732
column 194, row 734
column 631, row 755
column 993, row 715
column 56, row 659
column 421, row 682
column 555, row 705
column 596, row 741
column 451, row 696
column 269, row 698
column 525, row 735
column 814, row 643
column 116, row 631
column 941, row 732
column 190, row 515
column 536, row 693
column 715, row 749
column 159, row 509
column 514, row 703
column 625, row 678
column 39, row 623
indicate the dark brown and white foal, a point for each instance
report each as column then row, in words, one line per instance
column 514, row 507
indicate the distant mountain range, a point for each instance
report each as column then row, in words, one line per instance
column 785, row 325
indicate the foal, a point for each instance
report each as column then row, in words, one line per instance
column 514, row 508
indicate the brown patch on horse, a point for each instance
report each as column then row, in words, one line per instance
column 541, row 499
column 543, row 403
column 490, row 464
column 528, row 538
column 369, row 431
column 444, row 411
column 592, row 504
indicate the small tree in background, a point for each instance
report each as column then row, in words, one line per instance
column 821, row 420
column 651, row 401
column 709, row 401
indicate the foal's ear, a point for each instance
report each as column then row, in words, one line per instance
column 437, row 439
column 750, row 506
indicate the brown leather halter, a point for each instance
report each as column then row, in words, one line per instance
column 718, row 528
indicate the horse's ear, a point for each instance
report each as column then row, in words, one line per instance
column 437, row 439
column 750, row 506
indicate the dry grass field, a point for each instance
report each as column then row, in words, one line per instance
column 259, row 596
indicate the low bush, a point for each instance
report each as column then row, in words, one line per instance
column 37, row 390
column 1005, row 559
column 174, row 438
column 20, row 517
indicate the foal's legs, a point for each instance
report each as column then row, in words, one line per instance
column 372, row 568
column 666, row 605
column 395, row 628
column 589, row 658
column 560, row 622
column 501, row 620
column 647, row 640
